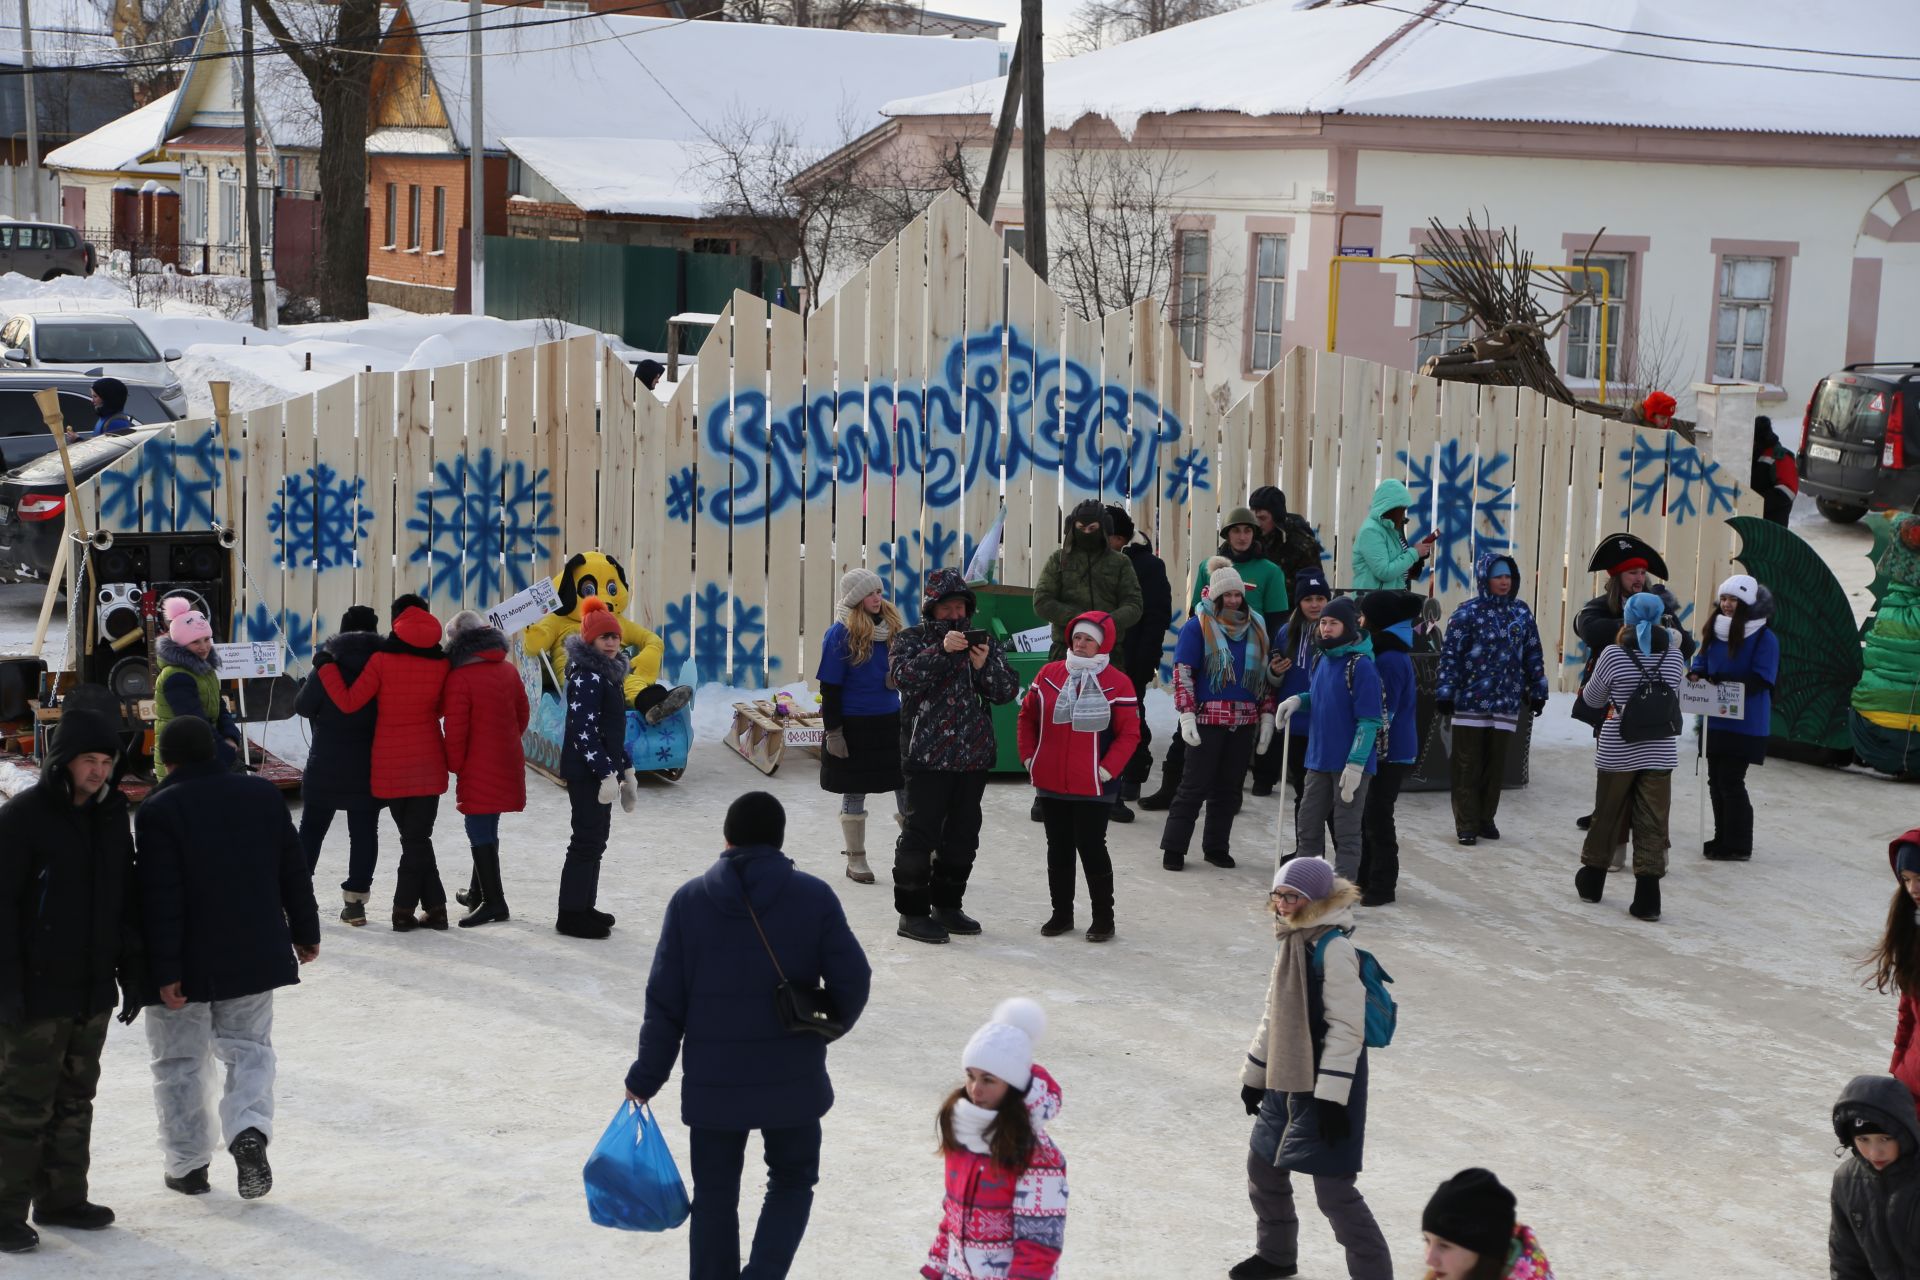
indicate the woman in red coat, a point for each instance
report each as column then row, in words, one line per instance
column 484, row 712
column 407, row 675
column 1896, row 961
column 1079, row 725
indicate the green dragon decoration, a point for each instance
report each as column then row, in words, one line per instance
column 1819, row 650
column 1884, row 716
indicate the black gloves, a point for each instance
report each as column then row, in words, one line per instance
column 1444, row 706
column 1252, row 1097
column 1539, row 706
column 129, row 1005
column 1333, row 1122
column 321, row 658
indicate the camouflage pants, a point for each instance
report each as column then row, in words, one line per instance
column 49, row 1069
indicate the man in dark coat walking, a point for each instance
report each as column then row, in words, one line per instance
column 67, row 931
column 948, row 680
column 711, row 996
column 1144, row 642
column 339, row 768
column 227, row 905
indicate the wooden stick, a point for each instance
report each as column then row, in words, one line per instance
column 53, row 591
column 49, row 402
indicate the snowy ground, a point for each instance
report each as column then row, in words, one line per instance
column 1656, row 1094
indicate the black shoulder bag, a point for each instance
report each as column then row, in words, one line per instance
column 807, row 1009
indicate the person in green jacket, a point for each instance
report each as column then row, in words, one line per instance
column 1086, row 573
column 1240, row 543
column 1382, row 560
column 189, row 681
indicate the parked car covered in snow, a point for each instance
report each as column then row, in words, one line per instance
column 101, row 346
column 1860, row 446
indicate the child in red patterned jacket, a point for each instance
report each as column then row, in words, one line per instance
column 1005, row 1215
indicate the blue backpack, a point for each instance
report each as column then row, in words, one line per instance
column 1382, row 1013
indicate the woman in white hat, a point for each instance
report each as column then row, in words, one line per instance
column 861, row 710
column 1737, row 646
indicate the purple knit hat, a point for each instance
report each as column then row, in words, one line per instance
column 1310, row 876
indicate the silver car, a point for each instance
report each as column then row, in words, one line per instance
column 102, row 346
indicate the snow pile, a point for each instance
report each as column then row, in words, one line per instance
column 15, row 287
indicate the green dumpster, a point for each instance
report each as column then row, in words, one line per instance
column 1007, row 611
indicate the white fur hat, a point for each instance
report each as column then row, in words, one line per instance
column 1742, row 587
column 1223, row 577
column 1004, row 1046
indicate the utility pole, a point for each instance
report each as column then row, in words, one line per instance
column 1003, row 133
column 1033, row 140
column 476, row 170
column 33, row 113
column 263, row 309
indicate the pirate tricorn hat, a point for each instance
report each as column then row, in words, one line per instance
column 1619, row 552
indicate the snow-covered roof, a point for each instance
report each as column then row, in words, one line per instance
column 659, row 78
column 666, row 178
column 1604, row 62
column 120, row 144
column 289, row 116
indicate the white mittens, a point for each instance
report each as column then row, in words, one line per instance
column 1265, row 739
column 1190, row 728
column 609, row 788
column 629, row 794
column 1105, row 777
column 1287, row 707
column 1350, row 779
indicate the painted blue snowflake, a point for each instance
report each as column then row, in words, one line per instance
column 685, row 493
column 296, row 633
column 1187, row 473
column 1645, row 469
column 907, row 560
column 483, row 525
column 1693, row 478
column 318, row 519
column 697, row 647
column 1469, row 492
column 179, row 478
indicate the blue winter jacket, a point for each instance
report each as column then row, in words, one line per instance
column 1342, row 726
column 1757, row 666
column 1190, row 650
column 710, row 994
column 1398, row 696
column 1299, row 677
column 1491, row 664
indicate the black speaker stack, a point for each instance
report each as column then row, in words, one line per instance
column 130, row 577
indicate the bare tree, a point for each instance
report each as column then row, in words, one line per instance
column 839, row 15
column 1652, row 356
column 1112, row 230
column 1099, row 23
column 158, row 35
column 335, row 47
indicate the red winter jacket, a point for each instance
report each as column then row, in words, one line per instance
column 1906, row 1034
column 484, row 711
column 407, row 675
column 1065, row 762
column 997, row 1225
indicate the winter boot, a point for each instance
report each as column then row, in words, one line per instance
column 1219, row 858
column 1258, row 1268
column 604, row 917
column 1036, row 813
column 404, row 921
column 406, row 896
column 18, row 1237
column 1120, row 813
column 671, row 705
column 490, row 903
column 355, row 912
column 1724, row 851
column 921, row 929
column 1489, row 832
column 191, row 1183
column 433, row 917
column 250, row 1158
column 84, row 1216
column 1169, row 860
column 581, row 924
column 1169, row 783
column 469, row 897
column 1584, row 823
column 1646, row 898
column 1058, row 923
column 1101, row 930
column 1468, row 838
column 1591, row 882
column 954, row 920
column 853, row 830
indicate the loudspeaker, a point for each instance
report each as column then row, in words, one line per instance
column 201, row 561
column 119, row 608
column 194, row 565
column 122, row 562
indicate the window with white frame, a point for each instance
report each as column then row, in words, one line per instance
column 1583, row 322
column 1269, row 300
column 233, row 214
column 1440, row 325
column 1193, row 251
column 193, row 201
column 1744, row 315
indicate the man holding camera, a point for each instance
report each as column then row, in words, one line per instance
column 949, row 675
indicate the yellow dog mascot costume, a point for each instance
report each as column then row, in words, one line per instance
column 594, row 575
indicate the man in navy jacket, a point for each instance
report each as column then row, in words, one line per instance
column 711, row 993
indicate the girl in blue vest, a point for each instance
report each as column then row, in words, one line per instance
column 1737, row 646
column 1290, row 661
column 1343, row 702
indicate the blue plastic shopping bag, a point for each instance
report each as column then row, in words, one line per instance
column 632, row 1182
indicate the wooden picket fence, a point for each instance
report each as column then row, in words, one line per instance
column 943, row 386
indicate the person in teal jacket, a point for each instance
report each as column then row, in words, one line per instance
column 1382, row 560
column 1345, row 705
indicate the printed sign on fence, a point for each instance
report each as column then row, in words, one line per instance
column 1033, row 640
column 1721, row 701
column 248, row 659
column 517, row 613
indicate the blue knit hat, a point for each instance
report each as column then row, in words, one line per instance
column 1347, row 614
column 1310, row 582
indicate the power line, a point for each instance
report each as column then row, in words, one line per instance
column 1644, row 53
column 1680, row 39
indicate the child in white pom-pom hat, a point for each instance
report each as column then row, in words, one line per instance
column 1005, row 1214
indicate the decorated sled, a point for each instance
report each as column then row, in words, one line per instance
column 653, row 748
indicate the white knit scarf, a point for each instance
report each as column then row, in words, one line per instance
column 881, row 631
column 1083, row 703
column 970, row 1125
column 1722, row 626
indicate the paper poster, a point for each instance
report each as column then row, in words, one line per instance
column 517, row 613
column 249, row 659
column 1721, row 701
column 1033, row 640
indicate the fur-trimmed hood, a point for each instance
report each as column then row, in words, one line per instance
column 1335, row 909
column 178, row 655
column 580, row 653
column 475, row 644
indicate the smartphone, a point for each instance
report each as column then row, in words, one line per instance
column 978, row 636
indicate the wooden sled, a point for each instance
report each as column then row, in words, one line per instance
column 761, row 737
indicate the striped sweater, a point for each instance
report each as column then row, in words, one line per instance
column 1613, row 681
